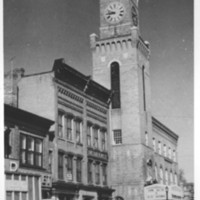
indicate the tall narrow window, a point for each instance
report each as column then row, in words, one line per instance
column 115, row 85
column 171, row 178
column 146, row 138
column 154, row 144
column 79, row 169
column 175, row 179
column 104, row 174
column 7, row 145
column 78, row 131
column 95, row 136
column 117, row 136
column 60, row 165
column 50, row 159
column 143, row 84
column 159, row 147
column 97, row 173
column 60, row 124
column 38, row 152
column 174, row 155
column 89, row 135
column 156, row 172
column 90, row 180
column 161, row 175
column 68, row 127
column 169, row 153
column 70, row 167
column 103, row 140
column 166, row 177
column 165, row 150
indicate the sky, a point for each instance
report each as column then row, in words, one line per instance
column 36, row 32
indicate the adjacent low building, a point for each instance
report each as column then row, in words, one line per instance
column 27, row 139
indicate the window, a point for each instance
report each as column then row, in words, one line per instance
column 60, row 124
column 95, row 135
column 104, row 174
column 115, row 85
column 16, row 176
column 97, row 173
column 174, row 155
column 78, row 131
column 146, row 138
column 7, row 146
column 31, row 150
column 16, row 195
column 69, row 167
column 169, row 153
column 60, row 166
column 8, row 176
column 68, row 124
column 50, row 158
column 156, row 172
column 161, row 175
column 79, row 169
column 89, row 135
column 154, row 144
column 8, row 195
column 159, row 147
column 166, row 177
column 171, row 178
column 143, row 84
column 165, row 150
column 103, row 141
column 175, row 179
column 24, row 195
column 117, row 135
column 90, row 180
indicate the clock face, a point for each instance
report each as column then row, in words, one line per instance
column 114, row 12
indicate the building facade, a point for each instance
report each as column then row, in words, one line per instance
column 107, row 143
column 80, row 152
column 121, row 63
column 26, row 141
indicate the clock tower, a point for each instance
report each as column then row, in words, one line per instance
column 116, row 17
column 121, row 63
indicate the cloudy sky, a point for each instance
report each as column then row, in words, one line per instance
column 38, row 31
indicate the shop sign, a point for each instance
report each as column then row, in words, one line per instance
column 155, row 192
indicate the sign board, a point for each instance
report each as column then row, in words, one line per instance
column 155, row 192
column 175, row 192
column 46, row 180
column 69, row 176
column 158, row 192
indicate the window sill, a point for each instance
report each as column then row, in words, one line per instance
column 79, row 144
column 32, row 167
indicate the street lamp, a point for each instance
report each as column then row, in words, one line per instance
column 167, row 190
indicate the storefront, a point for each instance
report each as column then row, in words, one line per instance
column 163, row 192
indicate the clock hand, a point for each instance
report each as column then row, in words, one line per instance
column 111, row 13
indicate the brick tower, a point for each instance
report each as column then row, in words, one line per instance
column 121, row 63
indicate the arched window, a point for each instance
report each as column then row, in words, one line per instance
column 115, row 84
column 146, row 138
column 143, row 84
column 161, row 175
column 154, row 144
column 166, row 177
column 156, row 172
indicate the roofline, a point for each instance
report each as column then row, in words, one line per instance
column 161, row 126
column 8, row 108
column 61, row 61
